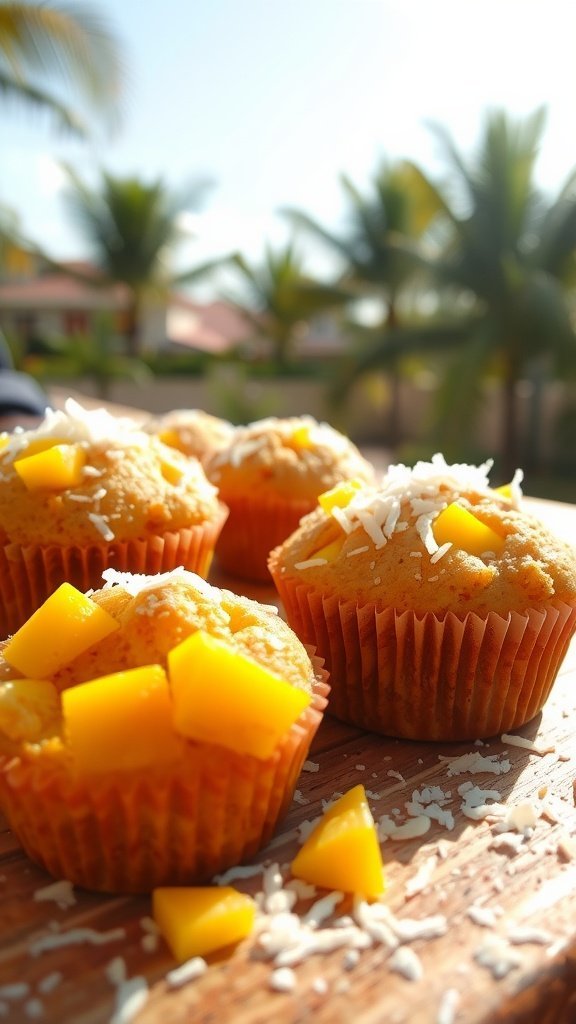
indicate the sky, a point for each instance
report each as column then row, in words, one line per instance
column 273, row 101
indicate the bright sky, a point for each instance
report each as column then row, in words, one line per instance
column 274, row 100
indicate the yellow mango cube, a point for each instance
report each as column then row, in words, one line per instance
column 171, row 472
column 171, row 437
column 339, row 496
column 197, row 921
column 29, row 709
column 301, row 437
column 343, row 852
column 67, row 624
column 221, row 696
column 459, row 526
column 4, row 439
column 330, row 551
column 120, row 722
column 505, row 490
column 54, row 469
column 41, row 444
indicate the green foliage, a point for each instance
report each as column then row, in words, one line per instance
column 281, row 300
column 72, row 46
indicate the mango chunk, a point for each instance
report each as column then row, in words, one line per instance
column 55, row 469
column 221, row 696
column 340, row 495
column 171, row 472
column 196, row 921
column 67, row 624
column 171, row 437
column 120, row 722
column 457, row 525
column 343, row 851
column 301, row 437
column 330, row 551
column 505, row 490
column 29, row 709
column 41, row 444
column 4, row 439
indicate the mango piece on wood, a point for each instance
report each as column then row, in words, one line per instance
column 121, row 721
column 197, row 921
column 29, row 709
column 339, row 496
column 67, row 624
column 460, row 527
column 54, row 469
column 221, row 696
column 343, row 852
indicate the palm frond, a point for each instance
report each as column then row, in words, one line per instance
column 19, row 92
column 71, row 42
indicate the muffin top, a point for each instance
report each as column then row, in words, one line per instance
column 86, row 476
column 434, row 538
column 192, row 431
column 145, row 618
column 296, row 457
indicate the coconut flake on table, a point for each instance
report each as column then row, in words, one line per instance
column 475, row 763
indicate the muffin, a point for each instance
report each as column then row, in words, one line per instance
column 442, row 609
column 269, row 477
column 87, row 490
column 192, row 431
column 157, row 736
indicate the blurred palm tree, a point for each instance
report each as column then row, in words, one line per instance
column 282, row 299
column 133, row 229
column 377, row 249
column 66, row 46
column 502, row 270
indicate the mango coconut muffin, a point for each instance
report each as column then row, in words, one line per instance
column 152, row 732
column 86, row 490
column 269, row 476
column 442, row 609
column 192, row 431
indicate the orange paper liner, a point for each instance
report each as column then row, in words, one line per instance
column 254, row 527
column 131, row 832
column 29, row 574
column 423, row 677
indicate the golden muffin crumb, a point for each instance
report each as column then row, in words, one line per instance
column 130, row 485
column 192, row 431
column 381, row 547
column 296, row 457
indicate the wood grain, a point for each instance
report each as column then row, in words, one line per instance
column 534, row 889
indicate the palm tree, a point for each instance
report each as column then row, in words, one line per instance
column 133, row 229
column 377, row 249
column 501, row 272
column 510, row 251
column 282, row 298
column 68, row 44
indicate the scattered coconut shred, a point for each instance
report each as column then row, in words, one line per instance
column 285, row 938
column 378, row 514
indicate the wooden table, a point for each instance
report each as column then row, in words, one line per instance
column 474, row 891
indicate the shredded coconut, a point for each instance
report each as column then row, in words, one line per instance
column 188, row 971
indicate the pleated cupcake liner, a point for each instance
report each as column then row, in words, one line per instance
column 430, row 677
column 131, row 832
column 255, row 526
column 30, row 573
